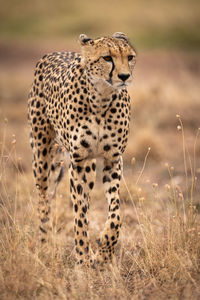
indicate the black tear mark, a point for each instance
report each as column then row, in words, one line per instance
column 111, row 72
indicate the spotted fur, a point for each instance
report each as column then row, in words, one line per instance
column 79, row 103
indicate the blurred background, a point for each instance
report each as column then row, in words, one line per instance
column 166, row 81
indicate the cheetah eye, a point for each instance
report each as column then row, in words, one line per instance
column 130, row 57
column 107, row 58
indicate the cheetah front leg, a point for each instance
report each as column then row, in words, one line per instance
column 111, row 180
column 82, row 176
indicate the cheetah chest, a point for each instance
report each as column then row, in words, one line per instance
column 98, row 138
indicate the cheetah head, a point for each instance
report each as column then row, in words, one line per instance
column 108, row 60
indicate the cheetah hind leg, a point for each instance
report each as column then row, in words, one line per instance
column 58, row 168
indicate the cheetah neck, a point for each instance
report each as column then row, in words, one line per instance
column 100, row 95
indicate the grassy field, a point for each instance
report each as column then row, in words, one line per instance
column 158, row 255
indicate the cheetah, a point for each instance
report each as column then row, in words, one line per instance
column 79, row 103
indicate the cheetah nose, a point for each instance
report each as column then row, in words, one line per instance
column 123, row 77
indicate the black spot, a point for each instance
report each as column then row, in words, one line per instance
column 84, row 209
column 71, row 183
column 79, row 189
column 80, row 224
column 110, row 190
column 93, row 166
column 91, row 185
column 87, row 169
column 40, row 77
column 115, row 154
column 113, row 243
column 84, row 178
column 34, row 120
column 79, row 169
column 76, row 207
column 114, row 175
column 113, row 110
column 38, row 104
column 107, row 168
column 44, row 152
column 106, row 147
column 114, row 97
column 98, row 121
column 112, row 225
column 76, row 155
column 113, row 216
column 88, row 132
column 45, row 165
column 85, row 144
column 81, row 242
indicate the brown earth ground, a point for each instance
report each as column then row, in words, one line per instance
column 159, row 249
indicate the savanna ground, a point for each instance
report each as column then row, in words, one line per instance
column 158, row 255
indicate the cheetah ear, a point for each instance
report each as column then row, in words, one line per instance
column 84, row 39
column 120, row 35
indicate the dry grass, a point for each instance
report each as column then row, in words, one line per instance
column 157, row 256
column 159, row 249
